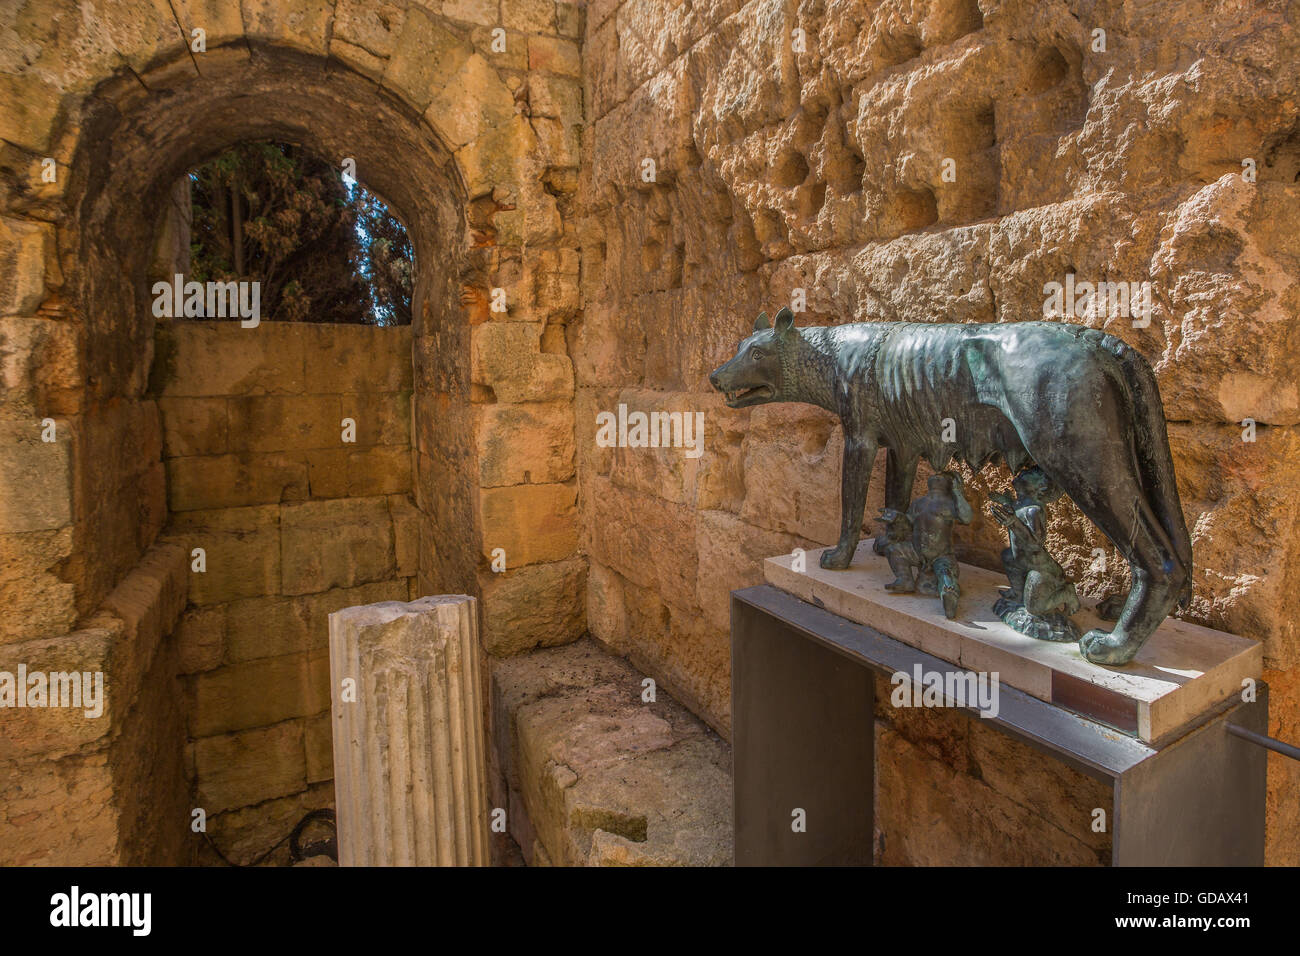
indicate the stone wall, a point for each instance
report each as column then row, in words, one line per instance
column 295, row 523
column 940, row 159
column 804, row 146
column 465, row 117
column 107, row 785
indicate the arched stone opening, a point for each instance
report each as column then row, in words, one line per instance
column 139, row 142
column 474, row 140
column 138, row 135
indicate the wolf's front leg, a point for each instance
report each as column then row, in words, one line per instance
column 859, row 456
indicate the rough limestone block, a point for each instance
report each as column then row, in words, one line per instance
column 83, row 833
column 554, row 56
column 200, row 639
column 194, row 426
column 39, row 366
column 358, row 358
column 340, row 543
column 259, row 693
column 304, row 24
column 532, row 442
column 35, row 477
column 235, row 481
column 58, row 730
column 23, row 247
column 539, row 605
column 529, row 16
column 241, row 551
column 410, row 759
column 470, row 102
column 599, row 776
column 236, row 770
column 531, row 523
column 483, row 12
column 36, row 601
column 148, row 602
column 497, row 157
column 206, row 359
column 265, row 423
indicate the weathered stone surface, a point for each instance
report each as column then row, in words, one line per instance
column 931, row 815
column 628, row 532
column 39, row 367
column 523, row 444
column 194, row 426
column 317, row 735
column 406, row 536
column 200, row 637
column 81, row 787
column 410, row 752
column 241, row 551
column 507, row 357
column 1282, row 802
column 357, row 358
column 530, row 523
column 259, row 693
column 540, row 605
column 247, row 833
column 271, row 626
column 40, row 602
column 23, row 247
column 281, row 422
column 301, row 23
column 64, row 729
column 35, row 476
column 604, row 778
column 732, row 553
column 341, row 543
column 242, row 768
column 209, row 359
column 554, row 56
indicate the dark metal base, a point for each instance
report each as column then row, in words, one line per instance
column 803, row 732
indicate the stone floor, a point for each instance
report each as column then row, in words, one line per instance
column 593, row 775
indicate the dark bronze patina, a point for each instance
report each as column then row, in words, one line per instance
column 1080, row 404
column 919, row 543
column 1041, row 599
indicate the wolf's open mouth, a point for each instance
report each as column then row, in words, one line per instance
column 737, row 396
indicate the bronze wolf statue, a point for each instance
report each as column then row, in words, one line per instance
column 1077, row 402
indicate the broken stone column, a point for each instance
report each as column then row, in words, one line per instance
column 410, row 775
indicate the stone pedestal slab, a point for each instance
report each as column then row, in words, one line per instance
column 1182, row 672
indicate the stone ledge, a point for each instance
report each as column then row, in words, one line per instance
column 593, row 776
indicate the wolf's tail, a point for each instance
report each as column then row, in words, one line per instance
column 1156, row 466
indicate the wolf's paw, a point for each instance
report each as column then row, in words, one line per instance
column 1102, row 647
column 838, row 558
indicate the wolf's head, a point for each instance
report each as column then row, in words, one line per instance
column 755, row 376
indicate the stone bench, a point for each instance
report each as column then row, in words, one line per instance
column 592, row 775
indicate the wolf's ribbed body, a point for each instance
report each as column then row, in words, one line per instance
column 1077, row 402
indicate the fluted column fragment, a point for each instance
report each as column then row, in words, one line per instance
column 410, row 774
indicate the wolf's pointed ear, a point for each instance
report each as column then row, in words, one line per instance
column 761, row 322
column 784, row 322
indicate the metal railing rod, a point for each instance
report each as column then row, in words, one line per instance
column 1270, row 743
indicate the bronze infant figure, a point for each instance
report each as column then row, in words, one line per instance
column 919, row 545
